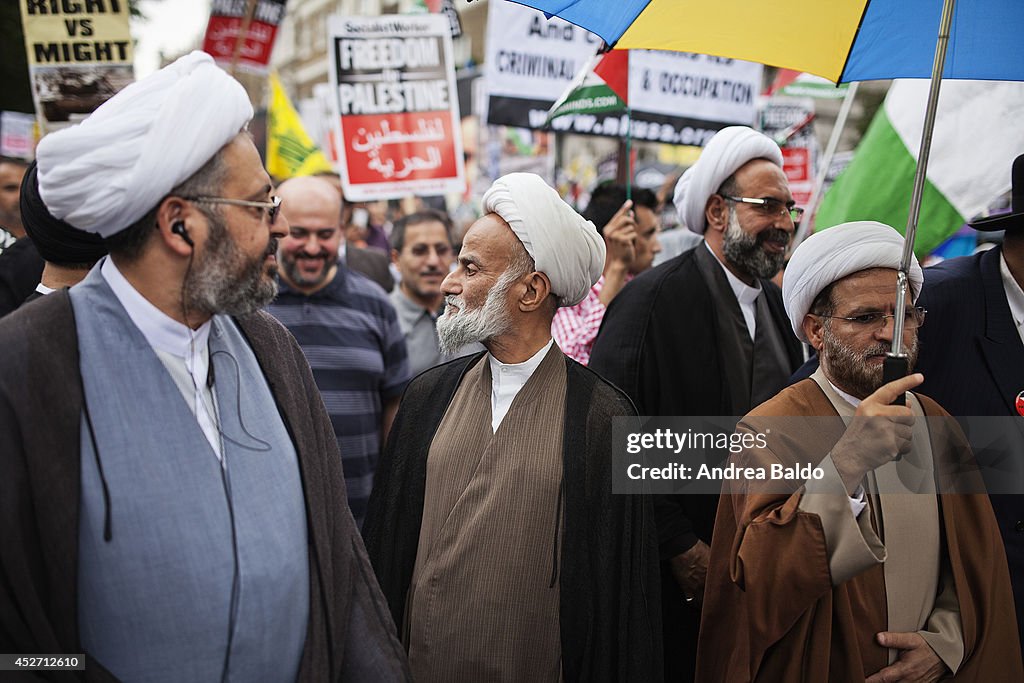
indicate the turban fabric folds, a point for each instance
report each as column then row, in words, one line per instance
column 724, row 154
column 830, row 255
column 565, row 246
column 107, row 172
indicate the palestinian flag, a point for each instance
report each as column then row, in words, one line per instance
column 601, row 86
column 977, row 136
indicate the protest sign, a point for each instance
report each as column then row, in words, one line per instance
column 790, row 122
column 17, row 135
column 529, row 63
column 393, row 81
column 79, row 54
column 241, row 33
column 673, row 97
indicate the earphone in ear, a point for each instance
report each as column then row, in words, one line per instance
column 178, row 228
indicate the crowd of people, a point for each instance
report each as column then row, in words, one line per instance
column 240, row 441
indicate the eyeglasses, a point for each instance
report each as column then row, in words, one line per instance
column 769, row 206
column 913, row 318
column 272, row 208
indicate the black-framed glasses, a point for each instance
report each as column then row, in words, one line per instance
column 272, row 208
column 770, row 206
column 913, row 318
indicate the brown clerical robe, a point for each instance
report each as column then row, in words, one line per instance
column 483, row 603
column 777, row 607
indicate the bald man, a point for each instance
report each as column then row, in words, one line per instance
column 493, row 529
column 347, row 328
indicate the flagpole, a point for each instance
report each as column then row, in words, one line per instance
column 826, row 163
column 243, row 32
column 896, row 362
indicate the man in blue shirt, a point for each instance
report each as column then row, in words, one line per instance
column 346, row 327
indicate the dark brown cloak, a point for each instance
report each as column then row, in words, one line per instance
column 771, row 612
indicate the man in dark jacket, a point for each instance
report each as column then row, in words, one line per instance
column 174, row 505
column 705, row 334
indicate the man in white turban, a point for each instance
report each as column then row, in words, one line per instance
column 174, row 494
column 855, row 569
column 705, row 333
column 492, row 525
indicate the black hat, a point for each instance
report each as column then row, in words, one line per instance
column 1014, row 219
column 56, row 241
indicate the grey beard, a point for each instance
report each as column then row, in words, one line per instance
column 848, row 369
column 744, row 250
column 479, row 325
column 225, row 281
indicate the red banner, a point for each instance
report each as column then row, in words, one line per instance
column 223, row 33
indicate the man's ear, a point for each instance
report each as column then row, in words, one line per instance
column 175, row 211
column 716, row 213
column 813, row 327
column 394, row 252
column 538, row 288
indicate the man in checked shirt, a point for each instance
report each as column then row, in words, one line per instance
column 630, row 230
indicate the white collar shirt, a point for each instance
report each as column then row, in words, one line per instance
column 745, row 295
column 507, row 379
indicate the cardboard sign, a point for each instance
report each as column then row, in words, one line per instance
column 393, row 80
column 79, row 55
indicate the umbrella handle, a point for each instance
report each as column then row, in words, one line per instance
column 894, row 368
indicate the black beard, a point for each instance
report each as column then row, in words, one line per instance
column 746, row 251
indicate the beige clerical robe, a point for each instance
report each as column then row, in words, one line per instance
column 900, row 528
column 483, row 604
column 798, row 588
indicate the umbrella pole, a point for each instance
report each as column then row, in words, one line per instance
column 896, row 362
column 826, row 162
column 629, row 153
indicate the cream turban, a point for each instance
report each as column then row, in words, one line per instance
column 565, row 246
column 110, row 170
column 724, row 154
column 832, row 254
column 679, row 196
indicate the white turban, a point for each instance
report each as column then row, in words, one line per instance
column 724, row 154
column 832, row 254
column 565, row 246
column 679, row 196
column 110, row 170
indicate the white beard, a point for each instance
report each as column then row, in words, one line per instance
column 455, row 330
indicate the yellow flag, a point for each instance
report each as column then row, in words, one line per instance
column 290, row 151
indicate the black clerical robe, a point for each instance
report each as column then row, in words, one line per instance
column 670, row 341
